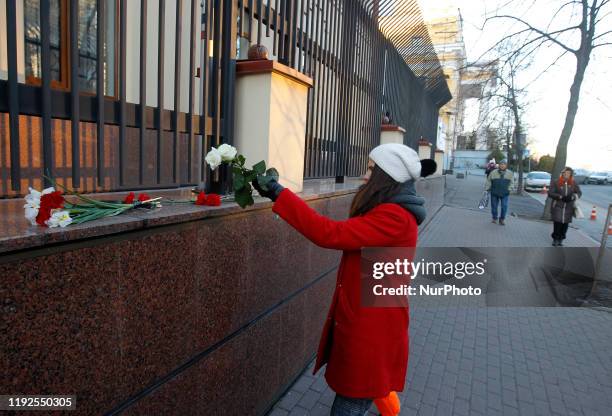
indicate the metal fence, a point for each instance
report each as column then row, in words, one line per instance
column 360, row 70
column 135, row 145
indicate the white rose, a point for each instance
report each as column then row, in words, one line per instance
column 213, row 158
column 31, row 213
column 33, row 199
column 32, row 205
column 59, row 219
column 228, row 153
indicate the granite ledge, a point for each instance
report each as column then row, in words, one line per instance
column 16, row 234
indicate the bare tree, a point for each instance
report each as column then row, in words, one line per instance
column 580, row 37
column 505, row 101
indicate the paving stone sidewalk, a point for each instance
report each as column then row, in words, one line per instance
column 492, row 360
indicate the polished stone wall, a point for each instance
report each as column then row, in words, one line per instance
column 221, row 313
column 213, row 315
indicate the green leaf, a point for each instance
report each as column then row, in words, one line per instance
column 260, row 167
column 236, row 169
column 239, row 181
column 244, row 197
column 241, row 160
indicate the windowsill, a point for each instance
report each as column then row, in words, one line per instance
column 17, row 234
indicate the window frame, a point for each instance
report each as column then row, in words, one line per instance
column 64, row 83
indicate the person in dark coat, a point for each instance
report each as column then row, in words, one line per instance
column 499, row 183
column 564, row 192
column 365, row 348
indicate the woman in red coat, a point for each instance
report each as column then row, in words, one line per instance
column 365, row 349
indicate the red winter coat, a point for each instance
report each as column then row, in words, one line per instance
column 366, row 349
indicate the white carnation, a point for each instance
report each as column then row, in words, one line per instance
column 59, row 219
column 213, row 158
column 228, row 152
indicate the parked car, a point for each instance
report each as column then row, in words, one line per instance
column 609, row 178
column 535, row 181
column 597, row 177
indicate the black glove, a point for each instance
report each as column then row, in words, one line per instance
column 274, row 189
column 567, row 198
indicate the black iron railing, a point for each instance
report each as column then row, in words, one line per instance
column 366, row 57
column 189, row 132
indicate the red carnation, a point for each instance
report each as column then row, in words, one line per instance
column 53, row 200
column 143, row 197
column 201, row 200
column 48, row 202
column 129, row 199
column 213, row 200
column 44, row 213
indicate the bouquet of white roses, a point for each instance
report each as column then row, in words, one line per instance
column 242, row 176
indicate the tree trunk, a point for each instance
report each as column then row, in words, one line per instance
column 570, row 117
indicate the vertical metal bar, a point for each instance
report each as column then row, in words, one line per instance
column 281, row 41
column 206, row 83
column 354, row 98
column 321, row 94
column 100, row 89
column 228, row 67
column 309, row 24
column 74, row 90
column 143, row 88
column 348, row 58
column 268, row 3
column 192, row 39
column 315, row 88
column 122, row 88
column 177, row 87
column 289, row 41
column 336, row 66
column 216, row 76
column 259, row 22
column 301, row 62
column 13, row 94
column 360, row 131
column 45, row 29
column 274, row 44
column 293, row 41
column 241, row 16
column 328, row 74
column 309, row 139
column 250, row 21
column 160, row 82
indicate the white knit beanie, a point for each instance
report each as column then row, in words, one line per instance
column 399, row 161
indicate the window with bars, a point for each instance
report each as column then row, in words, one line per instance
column 59, row 26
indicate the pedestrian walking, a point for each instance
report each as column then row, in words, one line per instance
column 564, row 192
column 365, row 349
column 499, row 183
column 491, row 166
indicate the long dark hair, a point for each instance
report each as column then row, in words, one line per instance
column 379, row 188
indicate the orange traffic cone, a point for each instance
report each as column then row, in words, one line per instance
column 610, row 229
column 544, row 190
column 388, row 406
column 594, row 213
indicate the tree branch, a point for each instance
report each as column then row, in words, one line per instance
column 538, row 31
column 602, row 35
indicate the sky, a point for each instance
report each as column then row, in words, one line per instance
column 590, row 145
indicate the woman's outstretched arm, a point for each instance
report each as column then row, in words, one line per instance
column 381, row 227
